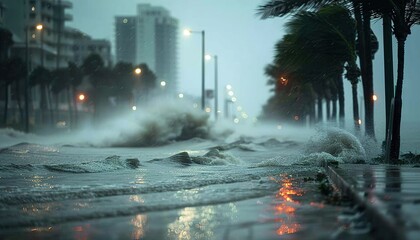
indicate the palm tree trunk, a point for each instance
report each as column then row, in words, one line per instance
column 368, row 80
column 312, row 113
column 340, row 92
column 57, row 110
column 70, row 112
column 43, row 104
column 6, row 103
column 395, row 140
column 19, row 103
column 75, row 113
column 49, row 104
column 328, row 108
column 319, row 105
column 334, row 109
column 388, row 67
column 356, row 116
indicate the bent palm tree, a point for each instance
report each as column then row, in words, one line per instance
column 404, row 14
column 41, row 76
column 362, row 11
column 327, row 36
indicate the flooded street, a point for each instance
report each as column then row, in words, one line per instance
column 258, row 188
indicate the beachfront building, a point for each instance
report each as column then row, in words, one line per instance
column 149, row 37
column 37, row 27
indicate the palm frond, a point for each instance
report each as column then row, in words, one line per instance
column 280, row 8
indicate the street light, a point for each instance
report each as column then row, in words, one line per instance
column 216, row 100
column 163, row 83
column 26, row 30
column 188, row 32
column 137, row 71
column 81, row 97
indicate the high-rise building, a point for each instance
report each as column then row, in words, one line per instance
column 151, row 38
column 125, row 39
column 47, row 44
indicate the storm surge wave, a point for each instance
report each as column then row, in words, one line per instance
column 336, row 144
column 154, row 125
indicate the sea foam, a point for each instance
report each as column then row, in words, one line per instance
column 334, row 144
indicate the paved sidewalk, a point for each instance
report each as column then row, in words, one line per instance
column 390, row 196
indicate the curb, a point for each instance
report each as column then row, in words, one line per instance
column 383, row 225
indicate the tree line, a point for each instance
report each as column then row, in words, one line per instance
column 119, row 83
column 323, row 42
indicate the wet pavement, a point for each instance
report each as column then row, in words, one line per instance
column 388, row 196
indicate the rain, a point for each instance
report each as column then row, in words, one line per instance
column 222, row 119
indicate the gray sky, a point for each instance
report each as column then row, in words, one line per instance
column 244, row 45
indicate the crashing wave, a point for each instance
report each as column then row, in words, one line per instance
column 155, row 125
column 335, row 144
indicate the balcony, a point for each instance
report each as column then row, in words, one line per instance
column 66, row 4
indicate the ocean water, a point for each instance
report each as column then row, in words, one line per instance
column 169, row 174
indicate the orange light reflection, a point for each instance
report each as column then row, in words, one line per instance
column 286, row 206
column 139, row 223
column 81, row 232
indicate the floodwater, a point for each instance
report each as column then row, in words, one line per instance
column 244, row 184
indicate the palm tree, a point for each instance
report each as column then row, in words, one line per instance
column 404, row 14
column 124, row 78
column 76, row 78
column 147, row 83
column 93, row 67
column 60, row 83
column 279, row 8
column 6, row 41
column 41, row 77
column 319, row 45
column 12, row 71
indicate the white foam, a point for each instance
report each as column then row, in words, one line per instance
column 334, row 144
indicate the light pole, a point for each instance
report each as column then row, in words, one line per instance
column 227, row 100
column 216, row 98
column 40, row 28
column 188, row 32
column 27, row 80
column 137, row 72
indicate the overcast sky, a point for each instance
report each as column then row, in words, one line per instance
column 244, row 44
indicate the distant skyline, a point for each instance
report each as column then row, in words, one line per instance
column 244, row 44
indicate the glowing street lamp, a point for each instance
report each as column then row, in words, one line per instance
column 40, row 28
column 180, row 95
column 374, row 97
column 163, row 83
column 188, row 32
column 137, row 71
column 81, row 97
